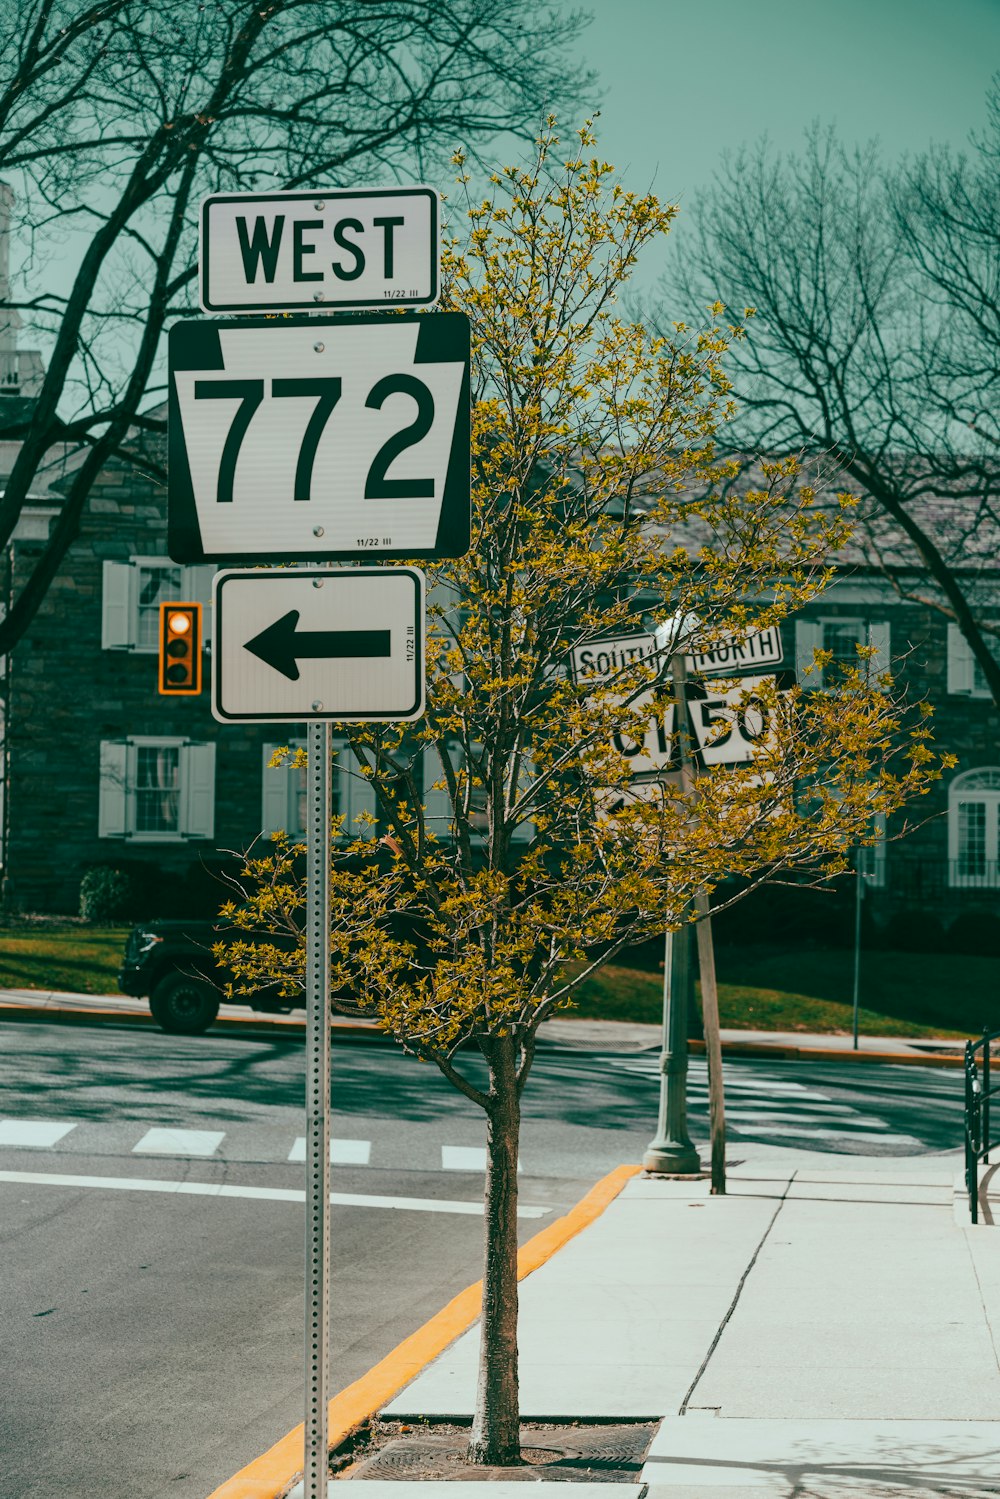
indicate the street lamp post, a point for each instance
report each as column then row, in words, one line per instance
column 672, row 1150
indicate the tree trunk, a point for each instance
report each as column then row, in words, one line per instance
column 495, row 1436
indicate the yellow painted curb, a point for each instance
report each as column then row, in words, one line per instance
column 270, row 1474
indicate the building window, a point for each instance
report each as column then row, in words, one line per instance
column 156, row 790
column 841, row 638
column 283, row 794
column 131, row 596
column 965, row 675
column 973, row 826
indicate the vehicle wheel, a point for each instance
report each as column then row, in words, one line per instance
column 184, row 1006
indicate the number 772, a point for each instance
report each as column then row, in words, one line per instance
column 328, row 390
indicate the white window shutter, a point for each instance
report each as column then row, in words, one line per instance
column 116, row 607
column 196, row 588
column 878, row 636
column 438, row 811
column 113, row 797
column 197, row 770
column 808, row 638
column 960, row 661
column 275, row 796
column 357, row 795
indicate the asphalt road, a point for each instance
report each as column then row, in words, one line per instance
column 155, row 1333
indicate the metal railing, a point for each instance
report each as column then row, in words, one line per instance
column 978, row 1092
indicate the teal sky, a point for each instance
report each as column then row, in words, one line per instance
column 684, row 80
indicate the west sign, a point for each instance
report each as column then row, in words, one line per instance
column 296, row 251
column 333, row 438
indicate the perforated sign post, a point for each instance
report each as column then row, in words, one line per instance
column 318, row 644
column 315, row 440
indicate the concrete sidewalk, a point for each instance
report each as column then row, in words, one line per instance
column 820, row 1331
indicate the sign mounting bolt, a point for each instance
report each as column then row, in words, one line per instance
column 317, row 582
column 319, row 206
column 317, row 530
column 319, row 296
column 317, row 707
column 319, row 348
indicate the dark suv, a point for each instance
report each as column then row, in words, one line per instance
column 171, row 962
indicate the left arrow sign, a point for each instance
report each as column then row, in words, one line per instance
column 282, row 647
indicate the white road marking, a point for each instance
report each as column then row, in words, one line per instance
column 186, row 1142
column 806, row 1116
column 39, row 1134
column 342, row 1152
column 783, row 1103
column 809, row 1133
column 465, row 1158
column 265, row 1194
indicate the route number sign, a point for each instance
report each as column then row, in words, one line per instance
column 340, row 438
column 328, row 249
column 601, row 661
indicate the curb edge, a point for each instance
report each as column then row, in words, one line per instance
column 268, row 1476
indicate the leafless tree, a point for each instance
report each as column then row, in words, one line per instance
column 116, row 117
column 874, row 344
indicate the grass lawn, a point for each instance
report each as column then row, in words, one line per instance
column 40, row 954
column 772, row 988
column 760, row 987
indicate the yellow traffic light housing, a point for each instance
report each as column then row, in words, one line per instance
column 180, row 649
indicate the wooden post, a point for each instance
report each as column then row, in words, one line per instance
column 713, row 1043
column 706, row 955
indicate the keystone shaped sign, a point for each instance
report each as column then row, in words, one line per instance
column 333, row 438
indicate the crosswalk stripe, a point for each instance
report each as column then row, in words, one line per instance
column 465, row 1158
column 810, row 1133
column 342, row 1152
column 262, row 1194
column 807, row 1116
column 186, row 1142
column 39, row 1134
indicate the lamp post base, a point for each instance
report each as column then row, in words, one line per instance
column 673, row 1157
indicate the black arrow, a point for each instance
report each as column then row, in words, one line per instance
column 279, row 646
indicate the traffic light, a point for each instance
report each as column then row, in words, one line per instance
column 180, row 649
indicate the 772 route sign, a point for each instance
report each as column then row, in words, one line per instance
column 336, row 438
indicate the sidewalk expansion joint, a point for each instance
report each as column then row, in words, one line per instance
column 685, row 1403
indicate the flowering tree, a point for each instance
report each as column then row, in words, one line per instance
column 596, row 513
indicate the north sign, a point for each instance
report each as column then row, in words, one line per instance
column 336, row 438
column 731, row 657
column 343, row 645
column 328, row 249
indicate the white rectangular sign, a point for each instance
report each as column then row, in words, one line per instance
column 732, row 658
column 729, row 727
column 603, row 660
column 343, row 645
column 333, row 439
column 298, row 251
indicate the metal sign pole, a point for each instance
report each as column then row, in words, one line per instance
column 317, row 1113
